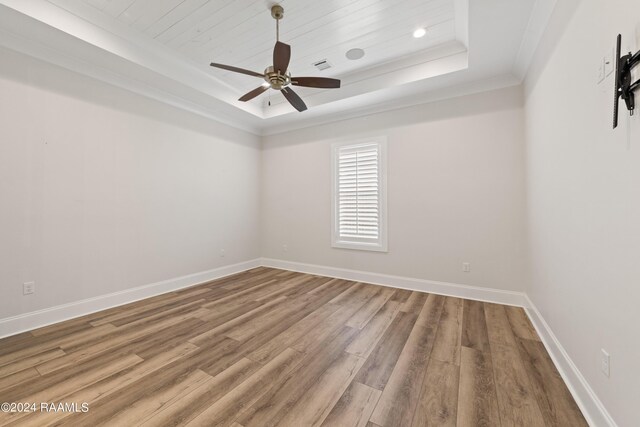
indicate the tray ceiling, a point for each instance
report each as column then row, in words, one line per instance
column 168, row 44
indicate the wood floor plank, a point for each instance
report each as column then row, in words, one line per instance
column 242, row 296
column 108, row 386
column 474, row 327
column 431, row 311
column 62, row 328
column 144, row 310
column 230, row 355
column 75, row 338
column 268, row 319
column 308, row 285
column 477, row 398
column 63, row 388
column 498, row 327
column 129, row 308
column 554, row 399
column 116, row 340
column 380, row 363
column 40, row 383
column 126, row 341
column 401, row 295
column 336, row 321
column 155, row 344
column 146, row 407
column 521, row 324
column 316, row 403
column 355, row 293
column 360, row 319
column 354, row 407
column 227, row 312
column 162, row 312
column 238, row 320
column 273, row 406
column 287, row 338
column 303, row 344
column 287, row 287
column 17, row 378
column 102, row 390
column 446, row 347
column 234, row 404
column 333, row 288
column 329, row 285
column 271, row 347
column 415, row 302
column 516, row 401
column 206, row 393
column 399, row 398
column 438, row 401
column 30, row 362
column 368, row 337
column 248, row 280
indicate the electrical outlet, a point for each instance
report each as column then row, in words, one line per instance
column 222, row 253
column 285, row 248
column 466, row 267
column 605, row 360
column 28, row 288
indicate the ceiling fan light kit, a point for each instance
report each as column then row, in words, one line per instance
column 278, row 76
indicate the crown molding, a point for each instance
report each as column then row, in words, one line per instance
column 540, row 16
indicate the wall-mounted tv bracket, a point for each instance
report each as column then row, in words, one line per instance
column 624, row 87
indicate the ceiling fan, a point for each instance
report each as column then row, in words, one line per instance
column 277, row 76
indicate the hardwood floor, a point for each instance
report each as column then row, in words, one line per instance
column 271, row 347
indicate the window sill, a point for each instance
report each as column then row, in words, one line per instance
column 358, row 246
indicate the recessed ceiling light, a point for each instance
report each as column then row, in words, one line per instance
column 355, row 53
column 420, row 32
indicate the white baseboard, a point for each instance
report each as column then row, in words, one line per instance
column 498, row 296
column 36, row 319
column 591, row 407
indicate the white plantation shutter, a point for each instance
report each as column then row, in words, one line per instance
column 359, row 196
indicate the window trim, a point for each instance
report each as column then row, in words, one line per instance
column 382, row 244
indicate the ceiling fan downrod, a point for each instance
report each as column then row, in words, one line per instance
column 277, row 12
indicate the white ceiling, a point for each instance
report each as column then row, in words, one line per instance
column 242, row 33
column 162, row 48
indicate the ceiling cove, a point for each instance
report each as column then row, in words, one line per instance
column 162, row 49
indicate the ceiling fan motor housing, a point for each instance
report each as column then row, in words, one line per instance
column 275, row 79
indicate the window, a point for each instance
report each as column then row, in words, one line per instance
column 359, row 195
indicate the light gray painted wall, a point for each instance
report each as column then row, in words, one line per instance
column 102, row 190
column 455, row 192
column 583, row 186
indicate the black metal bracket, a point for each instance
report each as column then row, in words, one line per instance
column 624, row 87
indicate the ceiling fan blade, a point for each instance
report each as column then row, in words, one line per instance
column 236, row 69
column 321, row 82
column 294, row 99
column 281, row 57
column 257, row 91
